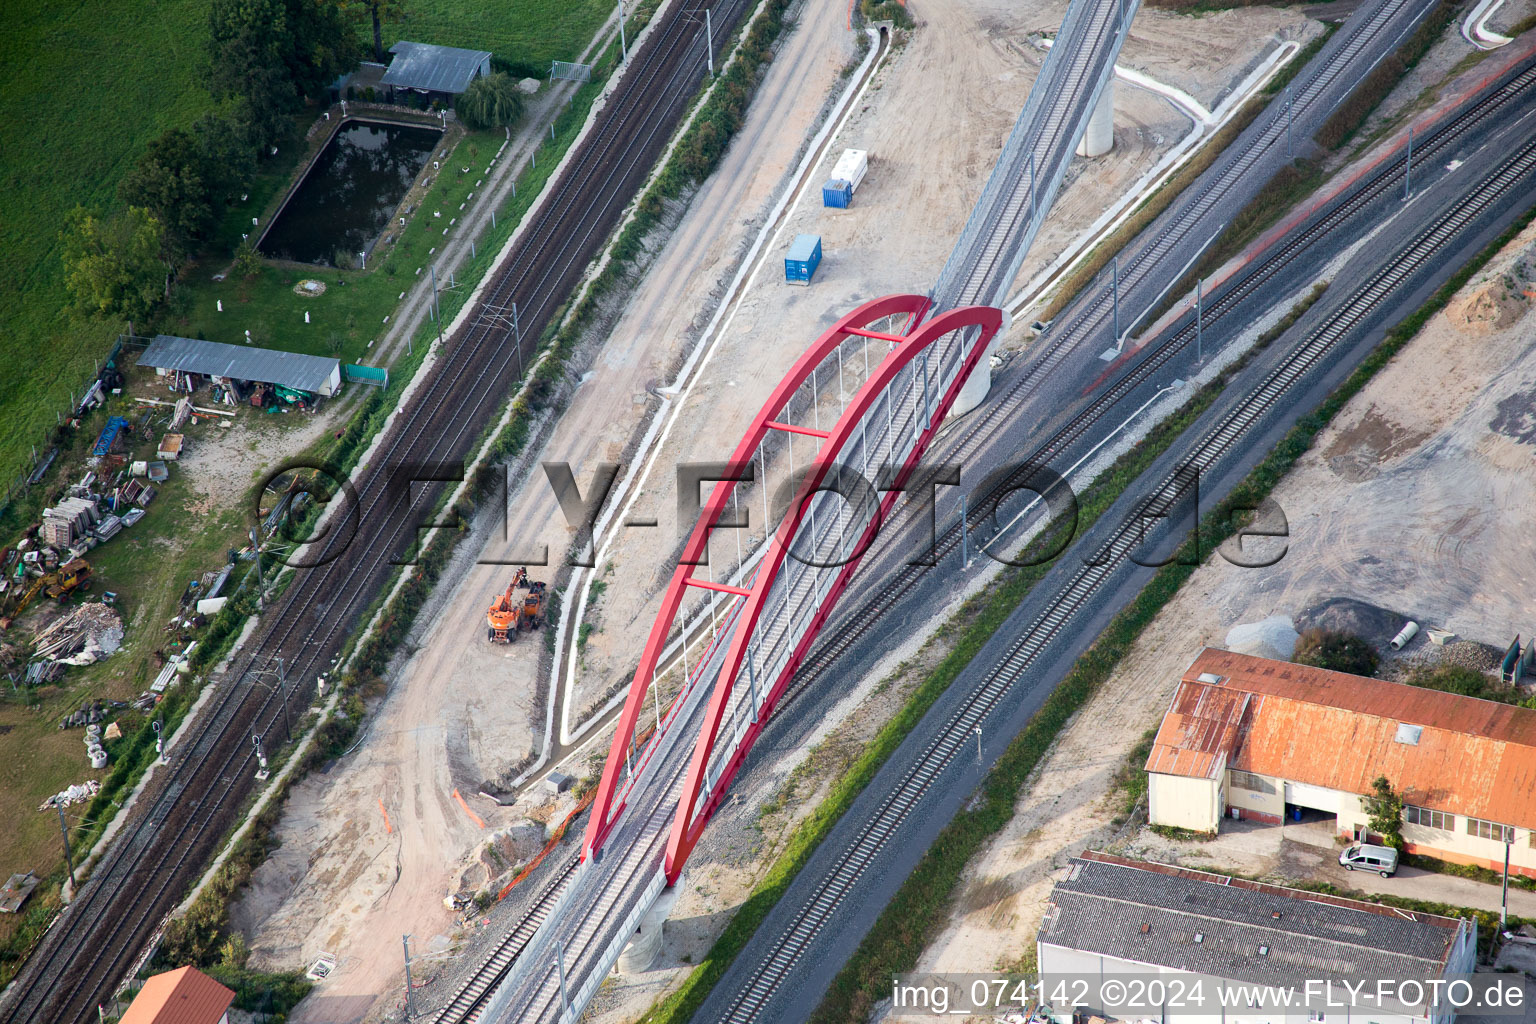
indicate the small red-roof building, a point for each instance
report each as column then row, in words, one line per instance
column 1253, row 738
column 183, row 996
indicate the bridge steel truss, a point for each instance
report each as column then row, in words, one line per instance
column 764, row 629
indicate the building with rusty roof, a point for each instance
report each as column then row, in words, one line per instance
column 183, row 996
column 1252, row 738
column 1116, row 917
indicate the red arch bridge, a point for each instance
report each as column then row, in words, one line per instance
column 838, row 438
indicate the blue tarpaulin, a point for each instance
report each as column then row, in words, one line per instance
column 108, row 435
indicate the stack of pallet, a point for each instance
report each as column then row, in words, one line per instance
column 70, row 519
column 137, row 492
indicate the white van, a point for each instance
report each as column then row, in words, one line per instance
column 1380, row 859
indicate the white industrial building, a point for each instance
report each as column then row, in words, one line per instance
column 1258, row 739
column 1113, row 917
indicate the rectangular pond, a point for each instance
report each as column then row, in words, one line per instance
column 349, row 193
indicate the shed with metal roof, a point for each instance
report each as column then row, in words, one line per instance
column 317, row 375
column 426, row 67
column 1111, row 915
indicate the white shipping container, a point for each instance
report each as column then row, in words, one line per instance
column 851, row 167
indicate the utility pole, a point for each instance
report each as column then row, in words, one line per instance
column 1115, row 285
column 1199, row 289
column 410, row 1000
column 517, row 334
column 282, row 691
column 1408, row 165
column 256, row 547
column 709, row 41
column 1290, row 152
column 1509, row 836
column 965, row 553
column 623, row 44
column 751, row 688
column 978, row 746
column 1031, row 184
column 565, row 1000
column 437, row 310
column 709, row 37
column 69, row 858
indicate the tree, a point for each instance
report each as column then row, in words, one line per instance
column 229, row 159
column 491, row 101
column 114, row 267
column 247, row 260
column 1384, row 811
column 376, row 11
column 1336, row 651
column 170, row 180
column 184, row 177
column 271, row 54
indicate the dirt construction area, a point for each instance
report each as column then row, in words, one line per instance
column 1403, row 503
column 371, row 848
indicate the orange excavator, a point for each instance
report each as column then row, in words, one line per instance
column 511, row 613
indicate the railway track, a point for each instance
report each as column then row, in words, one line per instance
column 82, row 957
column 1019, row 192
column 1018, row 203
column 1220, row 304
column 466, row 1003
column 951, row 743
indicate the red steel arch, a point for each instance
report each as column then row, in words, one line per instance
column 693, row 813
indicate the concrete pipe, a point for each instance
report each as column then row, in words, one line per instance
column 1404, row 635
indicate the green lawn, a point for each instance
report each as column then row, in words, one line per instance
column 85, row 88
column 537, row 31
column 146, row 566
column 72, row 146
column 351, row 311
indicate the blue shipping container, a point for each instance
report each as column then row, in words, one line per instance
column 804, row 255
column 837, row 192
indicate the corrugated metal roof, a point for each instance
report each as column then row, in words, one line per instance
column 1105, row 903
column 265, row 365
column 435, row 68
column 1336, row 730
column 183, row 996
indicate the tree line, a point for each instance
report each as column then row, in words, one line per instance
column 265, row 59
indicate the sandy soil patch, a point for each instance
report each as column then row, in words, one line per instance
column 963, row 78
column 462, row 711
column 1394, row 506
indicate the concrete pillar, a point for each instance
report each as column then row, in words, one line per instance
column 645, row 947
column 980, row 381
column 1099, row 138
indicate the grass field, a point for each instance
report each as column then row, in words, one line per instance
column 147, row 566
column 187, row 532
column 85, row 89
column 350, row 313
